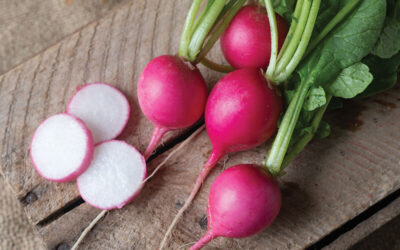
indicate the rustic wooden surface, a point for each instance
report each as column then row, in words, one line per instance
column 373, row 233
column 30, row 26
column 331, row 182
column 113, row 50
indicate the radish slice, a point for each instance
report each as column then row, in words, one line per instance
column 61, row 148
column 103, row 108
column 114, row 177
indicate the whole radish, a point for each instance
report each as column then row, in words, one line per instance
column 171, row 91
column 241, row 112
column 172, row 95
column 243, row 200
column 247, row 40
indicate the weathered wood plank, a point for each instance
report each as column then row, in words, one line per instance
column 367, row 228
column 115, row 50
column 333, row 181
column 30, row 26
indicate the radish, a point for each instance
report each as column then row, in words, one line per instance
column 103, row 108
column 243, row 200
column 61, row 148
column 172, row 95
column 246, row 42
column 114, row 177
column 241, row 113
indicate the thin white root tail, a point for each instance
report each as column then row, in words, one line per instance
column 88, row 228
column 103, row 213
column 173, row 152
column 179, row 215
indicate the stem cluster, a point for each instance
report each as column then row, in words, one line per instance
column 295, row 48
column 199, row 35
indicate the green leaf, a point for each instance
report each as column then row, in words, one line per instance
column 316, row 98
column 351, row 81
column 347, row 44
column 324, row 130
column 389, row 41
column 327, row 10
column 384, row 72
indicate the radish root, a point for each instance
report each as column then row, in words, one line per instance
column 173, row 152
column 87, row 230
column 103, row 213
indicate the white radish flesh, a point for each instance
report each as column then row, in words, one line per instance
column 61, row 148
column 103, row 108
column 114, row 177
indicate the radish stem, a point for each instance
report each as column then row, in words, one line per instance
column 294, row 42
column 303, row 141
column 217, row 67
column 302, row 46
column 274, row 38
column 218, row 31
column 280, row 145
column 292, row 28
column 187, row 29
column 204, row 28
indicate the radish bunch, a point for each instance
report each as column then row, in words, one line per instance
column 79, row 145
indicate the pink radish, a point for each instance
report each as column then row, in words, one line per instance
column 114, row 177
column 61, row 148
column 241, row 113
column 172, row 95
column 243, row 200
column 103, row 108
column 246, row 42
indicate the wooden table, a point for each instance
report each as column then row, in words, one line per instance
column 335, row 185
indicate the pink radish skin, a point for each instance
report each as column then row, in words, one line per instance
column 246, row 43
column 104, row 109
column 242, row 112
column 116, row 173
column 243, row 200
column 172, row 94
column 61, row 154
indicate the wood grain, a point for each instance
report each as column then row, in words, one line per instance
column 114, row 50
column 331, row 182
column 30, row 26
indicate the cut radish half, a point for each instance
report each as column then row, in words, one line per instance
column 61, row 148
column 103, row 108
column 114, row 177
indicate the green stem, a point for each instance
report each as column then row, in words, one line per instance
column 294, row 41
column 274, row 38
column 280, row 145
column 204, row 28
column 218, row 31
column 301, row 49
column 217, row 67
column 201, row 16
column 349, row 7
column 292, row 28
column 303, row 141
column 187, row 28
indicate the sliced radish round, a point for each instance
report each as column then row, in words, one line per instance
column 61, row 148
column 114, row 177
column 103, row 108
